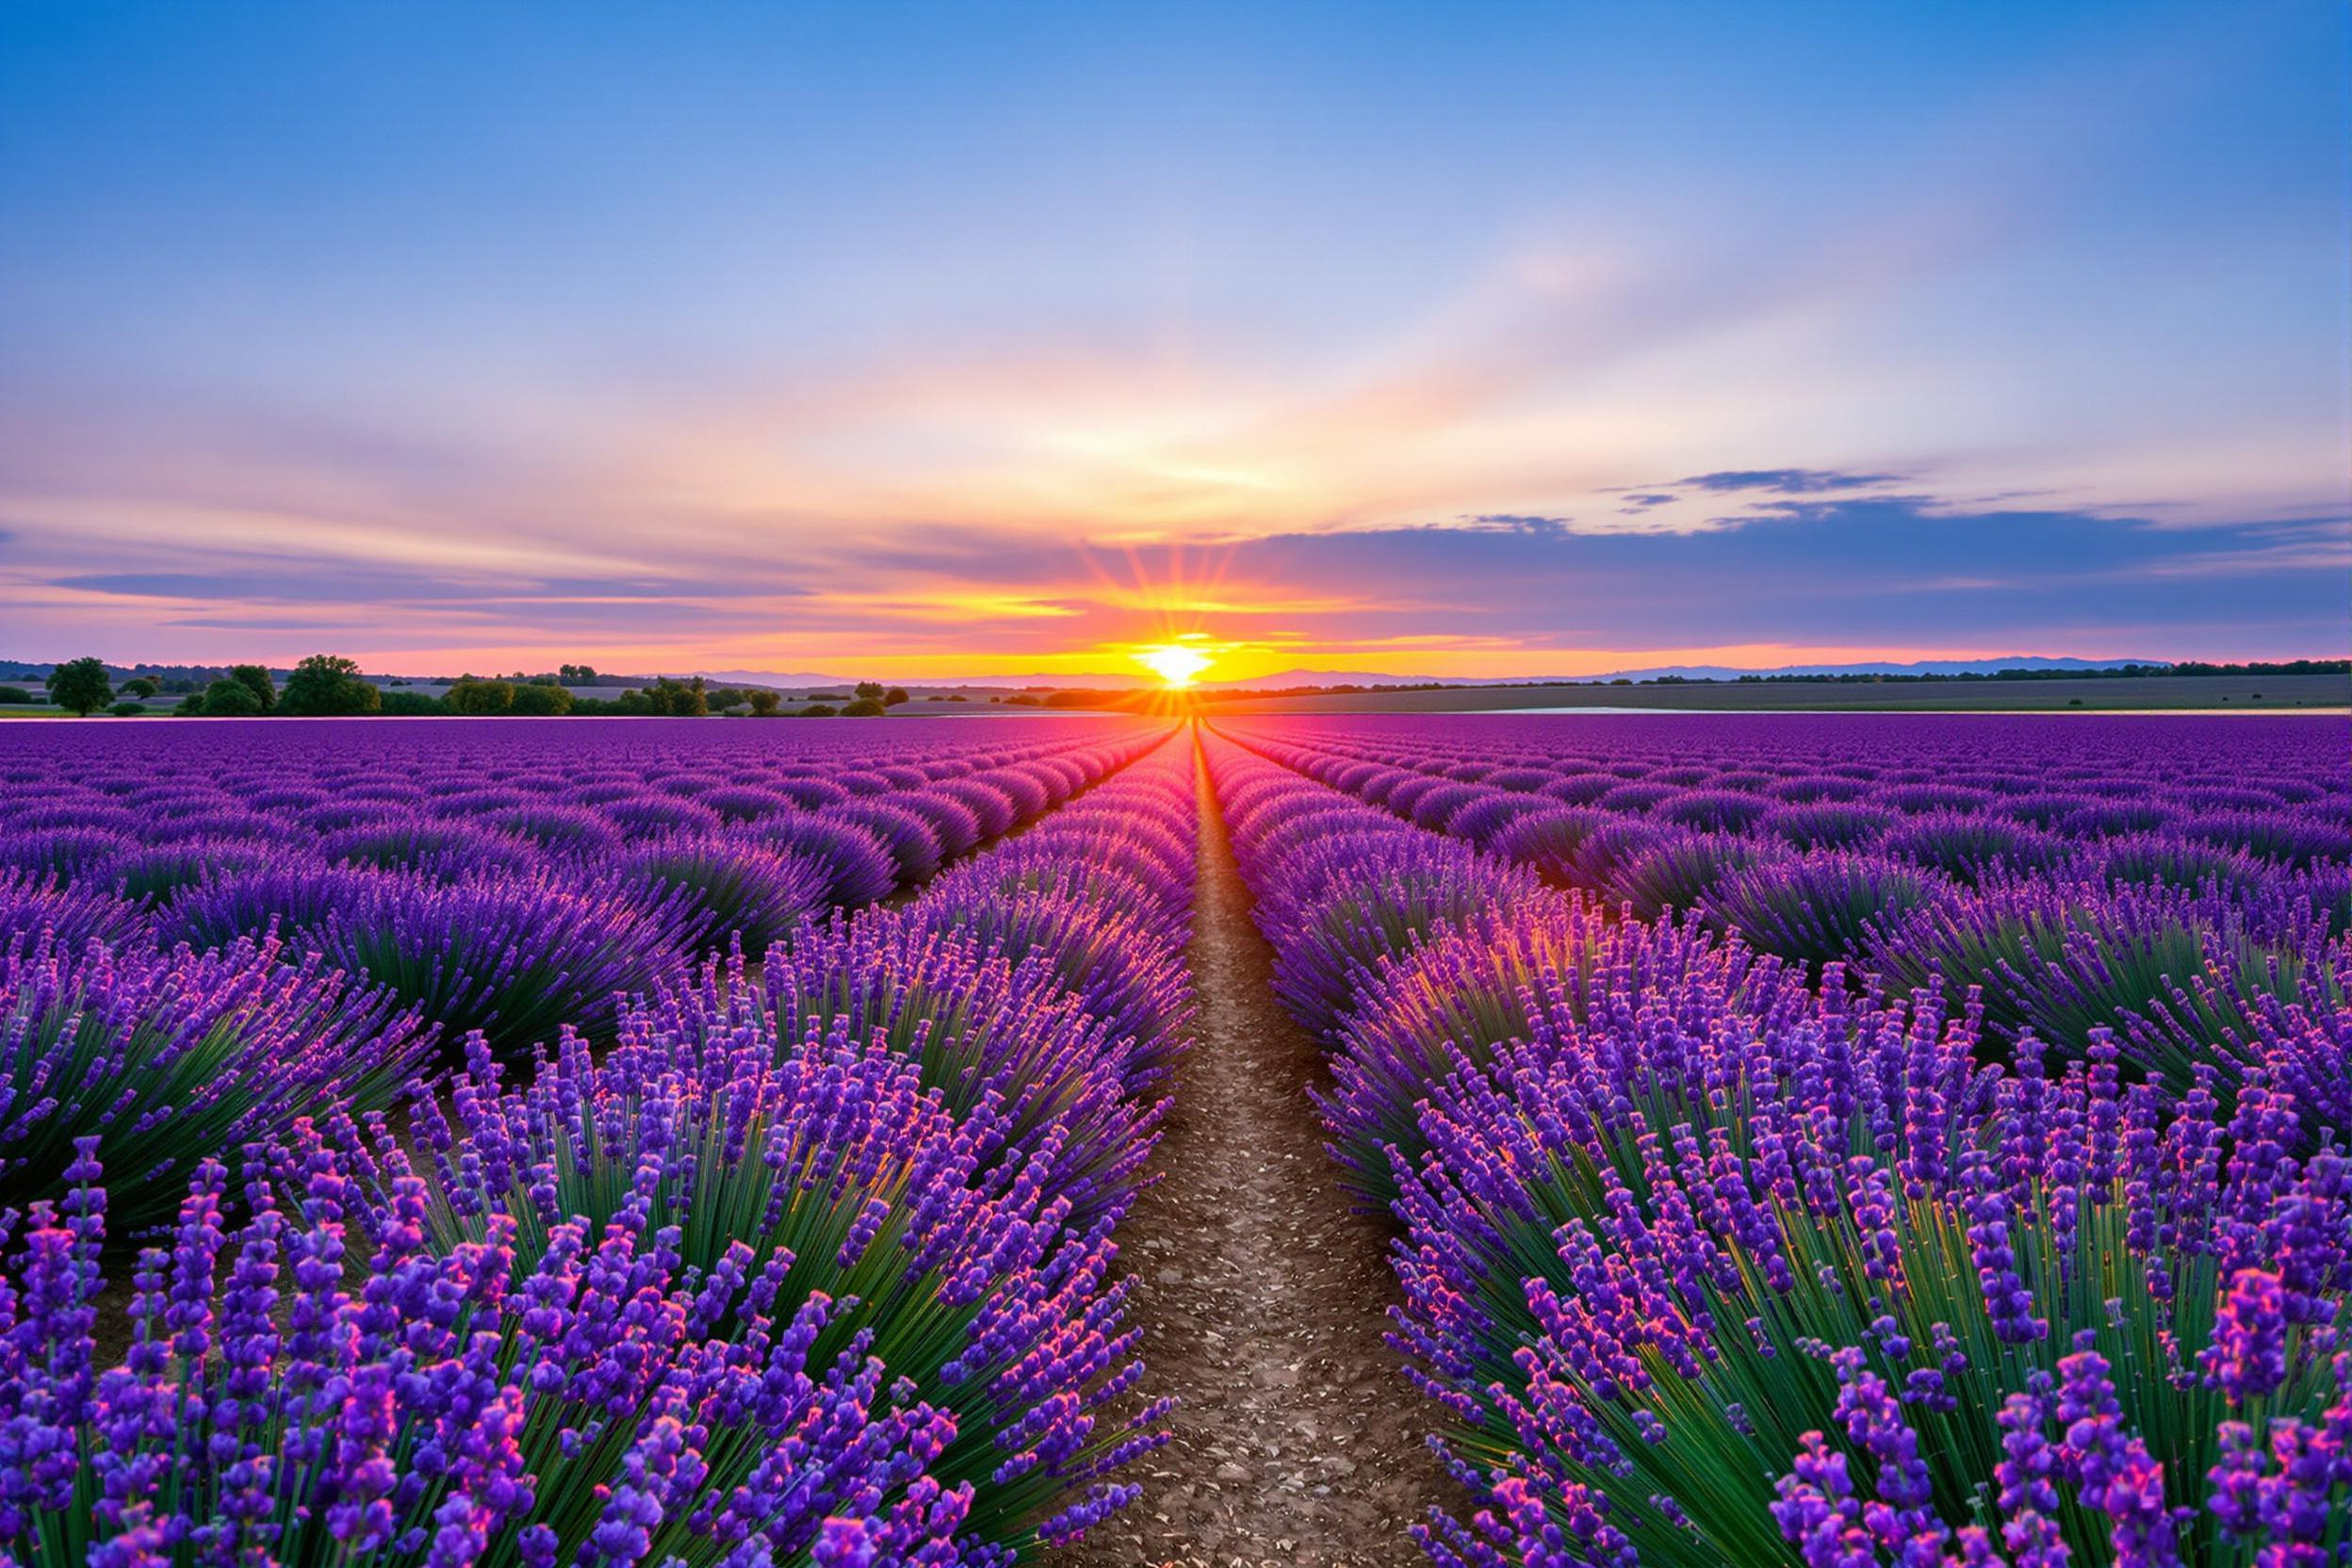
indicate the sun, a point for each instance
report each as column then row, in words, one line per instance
column 1174, row 664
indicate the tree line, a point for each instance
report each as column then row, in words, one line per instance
column 327, row 685
column 323, row 685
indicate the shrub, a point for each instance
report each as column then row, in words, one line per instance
column 600, row 1393
column 411, row 705
column 82, row 685
column 1682, row 1284
column 472, row 696
column 1974, row 845
column 257, row 681
column 325, row 685
column 907, row 836
column 230, row 700
column 1680, row 872
column 1547, row 842
column 858, row 869
column 1821, row 907
column 170, row 1057
column 723, row 892
column 33, row 904
column 442, row 848
column 515, row 957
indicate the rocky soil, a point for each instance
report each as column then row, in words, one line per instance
column 1263, row 1301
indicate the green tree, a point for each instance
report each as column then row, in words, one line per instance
column 864, row 707
column 765, row 704
column 190, row 706
column 724, row 697
column 867, row 690
column 412, row 704
column 141, row 687
column 895, row 695
column 81, row 684
column 230, row 700
column 541, row 700
column 326, row 684
column 257, row 681
column 17, row 695
column 682, row 699
column 476, row 697
column 819, row 710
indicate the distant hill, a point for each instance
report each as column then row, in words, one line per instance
column 784, row 678
column 1923, row 666
column 1288, row 679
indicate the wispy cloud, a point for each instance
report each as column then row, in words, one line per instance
column 1784, row 481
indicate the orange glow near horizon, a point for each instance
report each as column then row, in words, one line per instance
column 1237, row 659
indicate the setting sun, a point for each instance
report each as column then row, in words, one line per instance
column 1174, row 664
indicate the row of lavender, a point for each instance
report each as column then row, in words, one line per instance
column 716, row 830
column 237, row 938
column 2182, row 883
column 1711, row 1259
column 806, row 1264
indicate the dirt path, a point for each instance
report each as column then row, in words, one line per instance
column 1262, row 1300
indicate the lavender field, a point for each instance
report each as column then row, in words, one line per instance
column 1830, row 1140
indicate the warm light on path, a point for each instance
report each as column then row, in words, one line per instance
column 1174, row 664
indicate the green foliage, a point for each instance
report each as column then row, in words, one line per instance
column 864, row 707
column 819, row 710
column 190, row 706
column 140, row 686
column 412, row 704
column 229, row 699
column 257, row 680
column 895, row 695
column 477, row 697
column 326, row 684
column 867, row 690
column 541, row 700
column 82, row 685
column 678, row 699
column 17, row 695
column 127, row 709
column 724, row 697
column 765, row 704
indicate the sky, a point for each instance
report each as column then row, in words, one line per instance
column 924, row 339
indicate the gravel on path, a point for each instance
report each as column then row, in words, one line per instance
column 1263, row 1299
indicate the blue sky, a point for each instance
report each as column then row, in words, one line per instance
column 1006, row 337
